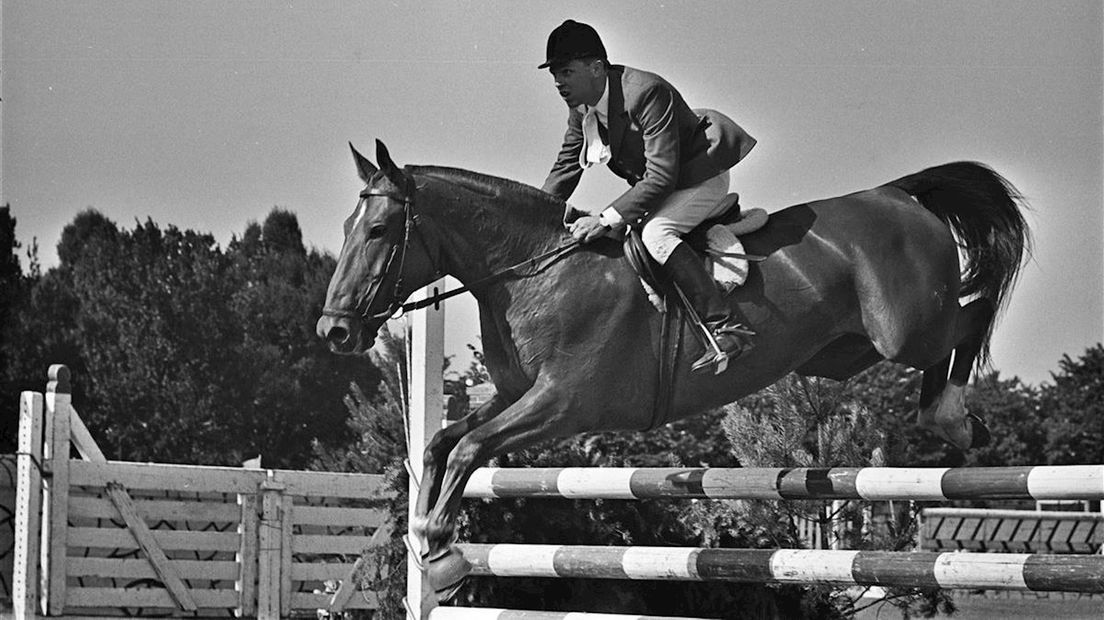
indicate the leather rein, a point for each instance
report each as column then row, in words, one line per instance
column 395, row 307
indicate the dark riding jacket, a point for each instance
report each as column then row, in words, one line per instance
column 657, row 143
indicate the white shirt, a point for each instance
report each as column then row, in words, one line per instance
column 594, row 150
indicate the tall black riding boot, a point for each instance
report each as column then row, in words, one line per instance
column 689, row 273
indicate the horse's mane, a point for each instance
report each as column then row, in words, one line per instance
column 526, row 197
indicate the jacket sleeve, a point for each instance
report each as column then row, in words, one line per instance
column 654, row 111
column 565, row 173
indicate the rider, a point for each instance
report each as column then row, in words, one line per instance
column 675, row 159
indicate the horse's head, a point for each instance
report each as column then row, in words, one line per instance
column 379, row 266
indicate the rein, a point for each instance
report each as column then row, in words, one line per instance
column 551, row 256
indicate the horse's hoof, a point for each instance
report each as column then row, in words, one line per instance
column 447, row 572
column 979, row 431
column 446, row 595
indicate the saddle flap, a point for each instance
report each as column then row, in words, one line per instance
column 644, row 265
column 733, row 222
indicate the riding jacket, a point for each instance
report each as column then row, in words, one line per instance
column 657, row 143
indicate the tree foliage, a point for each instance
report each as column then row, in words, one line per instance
column 1072, row 410
column 183, row 352
column 15, row 290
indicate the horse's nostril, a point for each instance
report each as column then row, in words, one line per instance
column 337, row 335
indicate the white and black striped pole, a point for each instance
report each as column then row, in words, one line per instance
column 973, row 571
column 796, row 483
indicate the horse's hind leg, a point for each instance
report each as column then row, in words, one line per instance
column 943, row 396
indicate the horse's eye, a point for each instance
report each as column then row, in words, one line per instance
column 377, row 231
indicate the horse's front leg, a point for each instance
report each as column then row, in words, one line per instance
column 542, row 413
column 437, row 451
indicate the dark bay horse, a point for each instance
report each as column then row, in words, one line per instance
column 573, row 344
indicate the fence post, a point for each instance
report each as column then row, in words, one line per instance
column 55, row 515
column 28, row 504
column 270, row 551
column 286, row 557
column 247, row 550
column 427, row 345
column 247, row 557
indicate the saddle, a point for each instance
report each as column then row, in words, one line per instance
column 720, row 245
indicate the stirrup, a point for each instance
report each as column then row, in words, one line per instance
column 739, row 330
column 711, row 359
column 716, row 357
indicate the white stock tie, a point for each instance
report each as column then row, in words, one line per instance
column 594, row 151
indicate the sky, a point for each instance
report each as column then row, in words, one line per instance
column 207, row 114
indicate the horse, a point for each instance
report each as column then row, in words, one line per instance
column 573, row 344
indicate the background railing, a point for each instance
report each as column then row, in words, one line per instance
column 116, row 538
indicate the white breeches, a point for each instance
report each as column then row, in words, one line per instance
column 680, row 212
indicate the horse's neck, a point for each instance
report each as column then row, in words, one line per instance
column 484, row 230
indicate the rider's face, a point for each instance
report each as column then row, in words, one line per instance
column 579, row 81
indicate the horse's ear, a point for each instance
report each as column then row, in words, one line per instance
column 383, row 157
column 365, row 169
column 388, row 166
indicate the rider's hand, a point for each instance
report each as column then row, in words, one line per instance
column 588, row 228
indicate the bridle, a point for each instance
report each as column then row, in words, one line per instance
column 362, row 309
column 396, row 307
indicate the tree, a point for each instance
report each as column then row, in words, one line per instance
column 1011, row 410
column 184, row 353
column 1072, row 409
column 278, row 297
column 15, row 289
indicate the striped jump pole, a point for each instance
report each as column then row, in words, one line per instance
column 988, row 571
column 870, row 483
column 490, row 613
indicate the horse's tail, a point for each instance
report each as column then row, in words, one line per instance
column 984, row 211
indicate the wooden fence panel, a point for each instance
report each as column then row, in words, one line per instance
column 157, row 510
column 139, row 568
column 315, row 484
column 230, row 541
column 1015, row 531
column 145, row 598
column 161, row 478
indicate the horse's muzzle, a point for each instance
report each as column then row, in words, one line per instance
column 345, row 336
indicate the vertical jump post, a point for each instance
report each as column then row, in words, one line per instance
column 426, row 342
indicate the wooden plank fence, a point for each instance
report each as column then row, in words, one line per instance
column 1013, row 531
column 120, row 539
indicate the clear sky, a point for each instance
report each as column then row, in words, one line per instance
column 206, row 114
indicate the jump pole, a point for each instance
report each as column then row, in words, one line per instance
column 989, row 571
column 491, row 613
column 1085, row 482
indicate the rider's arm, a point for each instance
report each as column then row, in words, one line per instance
column 654, row 112
column 565, row 174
